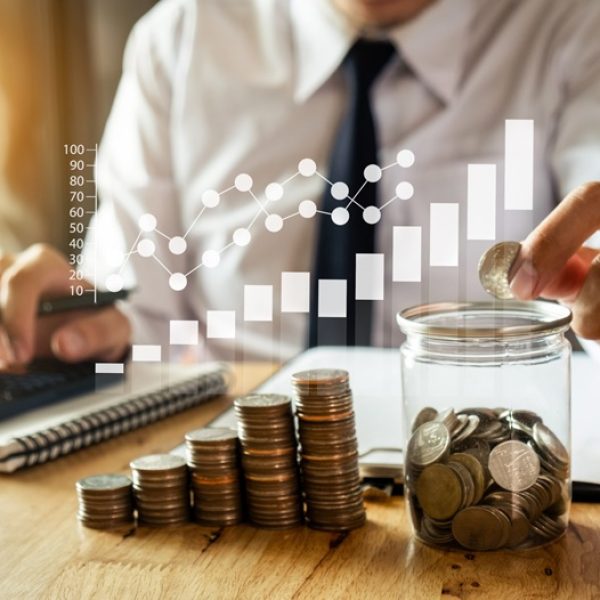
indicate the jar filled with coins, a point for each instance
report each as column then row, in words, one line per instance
column 486, row 392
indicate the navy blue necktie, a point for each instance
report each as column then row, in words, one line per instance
column 354, row 148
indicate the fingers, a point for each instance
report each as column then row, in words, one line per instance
column 39, row 270
column 548, row 248
column 586, row 309
column 103, row 334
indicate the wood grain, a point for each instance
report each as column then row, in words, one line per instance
column 45, row 553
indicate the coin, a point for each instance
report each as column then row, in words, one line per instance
column 428, row 444
column 105, row 501
column 439, row 491
column 424, row 416
column 481, row 528
column 547, row 441
column 494, row 269
column 514, row 465
column 158, row 462
column 475, row 470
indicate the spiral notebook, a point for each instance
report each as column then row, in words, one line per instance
column 145, row 394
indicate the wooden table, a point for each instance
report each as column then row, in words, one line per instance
column 45, row 553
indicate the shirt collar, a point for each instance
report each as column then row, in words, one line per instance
column 323, row 36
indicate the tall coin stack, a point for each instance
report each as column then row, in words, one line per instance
column 269, row 460
column 160, row 489
column 329, row 450
column 212, row 457
column 105, row 501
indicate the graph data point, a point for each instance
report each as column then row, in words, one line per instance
column 114, row 282
column 146, row 248
column 177, row 245
column 404, row 190
column 274, row 192
column 177, row 282
column 210, row 198
column 405, row 158
column 339, row 190
column 371, row 215
column 307, row 167
column 307, row 209
column 147, row 222
column 340, row 215
column 372, row 173
column 243, row 182
column 274, row 223
column 211, row 259
column 242, row 236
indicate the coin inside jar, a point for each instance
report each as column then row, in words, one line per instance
column 494, row 269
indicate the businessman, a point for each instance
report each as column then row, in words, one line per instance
column 211, row 90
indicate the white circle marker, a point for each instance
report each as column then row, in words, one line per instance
column 405, row 158
column 274, row 223
column 114, row 283
column 177, row 245
column 211, row 259
column 146, row 248
column 243, row 182
column 241, row 236
column 147, row 222
column 178, row 282
column 274, row 192
column 339, row 190
column 307, row 209
column 372, row 173
column 307, row 167
column 404, row 190
column 210, row 198
column 371, row 215
column 340, row 216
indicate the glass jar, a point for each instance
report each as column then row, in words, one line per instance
column 486, row 392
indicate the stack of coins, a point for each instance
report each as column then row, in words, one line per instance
column 486, row 479
column 329, row 450
column 269, row 460
column 105, row 501
column 160, row 488
column 212, row 458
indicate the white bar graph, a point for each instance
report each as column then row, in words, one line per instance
column 369, row 276
column 145, row 353
column 295, row 292
column 220, row 324
column 183, row 333
column 443, row 231
column 332, row 298
column 406, row 252
column 518, row 164
column 481, row 202
column 258, row 303
column 110, row 368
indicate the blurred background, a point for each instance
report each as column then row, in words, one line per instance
column 60, row 63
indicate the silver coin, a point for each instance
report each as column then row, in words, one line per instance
column 104, row 482
column 514, row 465
column 157, row 462
column 547, row 441
column 494, row 267
column 211, row 434
column 428, row 444
column 262, row 401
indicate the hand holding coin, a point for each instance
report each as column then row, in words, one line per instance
column 552, row 261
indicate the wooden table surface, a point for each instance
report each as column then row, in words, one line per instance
column 45, row 553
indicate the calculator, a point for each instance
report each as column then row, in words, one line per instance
column 44, row 382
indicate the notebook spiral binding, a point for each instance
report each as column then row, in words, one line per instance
column 107, row 423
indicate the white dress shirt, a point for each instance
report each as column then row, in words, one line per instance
column 215, row 88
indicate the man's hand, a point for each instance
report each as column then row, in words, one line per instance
column 553, row 263
column 72, row 336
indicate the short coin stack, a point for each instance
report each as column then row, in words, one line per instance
column 160, row 488
column 486, row 479
column 329, row 450
column 213, row 460
column 105, row 501
column 269, row 460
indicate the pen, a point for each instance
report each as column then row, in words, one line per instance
column 100, row 299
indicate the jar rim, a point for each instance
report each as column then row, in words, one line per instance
column 538, row 317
